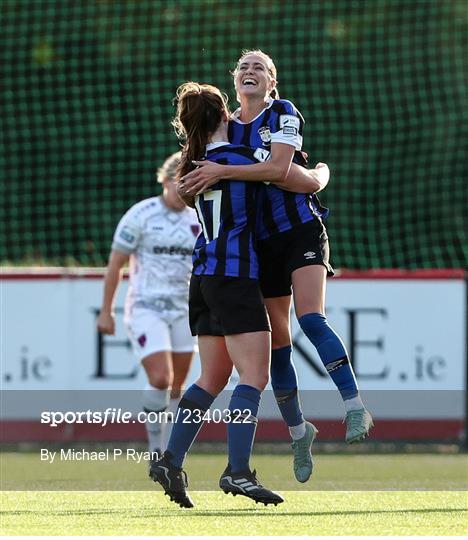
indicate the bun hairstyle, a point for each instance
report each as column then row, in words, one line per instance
column 200, row 109
column 269, row 63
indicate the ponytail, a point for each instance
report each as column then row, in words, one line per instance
column 200, row 109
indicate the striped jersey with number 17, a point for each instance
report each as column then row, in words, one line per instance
column 227, row 214
column 281, row 122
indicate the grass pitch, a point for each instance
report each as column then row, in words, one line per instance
column 384, row 509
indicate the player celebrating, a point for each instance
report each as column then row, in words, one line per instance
column 157, row 235
column 293, row 250
column 226, row 306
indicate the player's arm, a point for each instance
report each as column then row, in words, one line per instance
column 106, row 321
column 208, row 173
column 301, row 180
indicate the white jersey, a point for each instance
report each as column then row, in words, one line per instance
column 160, row 242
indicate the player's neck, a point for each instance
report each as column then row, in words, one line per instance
column 221, row 134
column 251, row 108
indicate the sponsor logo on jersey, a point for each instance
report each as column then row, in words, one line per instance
column 289, row 130
column 262, row 154
column 171, row 250
column 127, row 235
column 310, row 255
column 265, row 134
column 289, row 124
column 290, row 121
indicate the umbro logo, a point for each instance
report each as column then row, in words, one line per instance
column 310, row 255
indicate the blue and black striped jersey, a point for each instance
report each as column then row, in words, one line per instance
column 280, row 122
column 227, row 214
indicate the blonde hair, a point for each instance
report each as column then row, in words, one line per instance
column 168, row 168
column 269, row 64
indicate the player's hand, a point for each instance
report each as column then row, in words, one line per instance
column 106, row 323
column 202, row 178
column 321, row 175
column 186, row 197
column 324, row 173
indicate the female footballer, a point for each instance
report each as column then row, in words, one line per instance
column 226, row 308
column 293, row 249
column 157, row 235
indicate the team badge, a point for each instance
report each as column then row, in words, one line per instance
column 265, row 134
column 142, row 340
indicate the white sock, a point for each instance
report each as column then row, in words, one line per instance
column 166, row 428
column 297, row 432
column 353, row 404
column 154, row 400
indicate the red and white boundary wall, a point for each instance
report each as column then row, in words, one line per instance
column 405, row 331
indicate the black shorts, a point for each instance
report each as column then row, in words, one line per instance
column 221, row 305
column 281, row 254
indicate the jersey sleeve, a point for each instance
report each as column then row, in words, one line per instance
column 128, row 233
column 286, row 124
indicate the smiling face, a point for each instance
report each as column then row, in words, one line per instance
column 253, row 77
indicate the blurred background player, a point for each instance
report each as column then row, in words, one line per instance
column 293, row 249
column 226, row 306
column 157, row 235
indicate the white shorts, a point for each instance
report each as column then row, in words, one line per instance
column 150, row 333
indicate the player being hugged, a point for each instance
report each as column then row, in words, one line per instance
column 157, row 235
column 225, row 303
column 293, row 248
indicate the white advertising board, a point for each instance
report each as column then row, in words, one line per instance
column 401, row 335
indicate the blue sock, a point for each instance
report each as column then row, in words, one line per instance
column 284, row 383
column 241, row 434
column 332, row 352
column 183, row 433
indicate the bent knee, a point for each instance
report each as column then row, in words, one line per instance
column 280, row 335
column 257, row 380
column 213, row 385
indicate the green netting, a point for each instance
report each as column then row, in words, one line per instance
column 86, row 110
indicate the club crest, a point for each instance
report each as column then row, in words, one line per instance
column 265, row 134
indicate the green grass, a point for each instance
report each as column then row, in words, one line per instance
column 380, row 507
column 303, row 513
column 435, row 472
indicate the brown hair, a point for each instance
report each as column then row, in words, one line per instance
column 269, row 63
column 200, row 109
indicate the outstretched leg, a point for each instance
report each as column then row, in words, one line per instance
column 309, row 285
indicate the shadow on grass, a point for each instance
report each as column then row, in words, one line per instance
column 228, row 513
